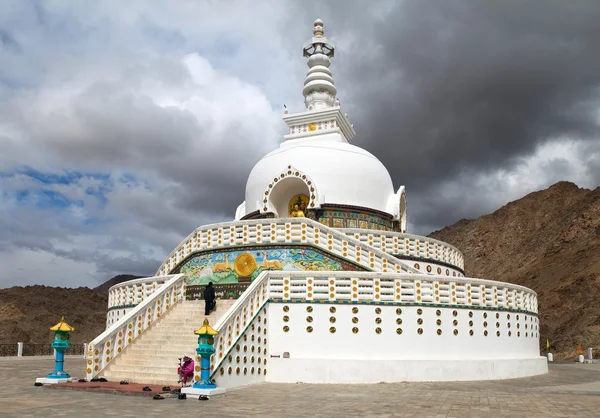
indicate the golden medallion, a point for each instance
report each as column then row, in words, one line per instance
column 312, row 127
column 244, row 264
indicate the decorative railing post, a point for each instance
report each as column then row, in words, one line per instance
column 203, row 384
column 205, row 349
column 60, row 344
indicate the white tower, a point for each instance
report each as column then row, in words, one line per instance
column 317, row 161
column 323, row 112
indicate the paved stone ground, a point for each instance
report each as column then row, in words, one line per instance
column 569, row 390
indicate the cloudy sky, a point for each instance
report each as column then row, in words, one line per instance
column 126, row 124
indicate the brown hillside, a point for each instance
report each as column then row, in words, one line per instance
column 548, row 241
column 26, row 313
column 103, row 288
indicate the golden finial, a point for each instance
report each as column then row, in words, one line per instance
column 62, row 326
column 206, row 329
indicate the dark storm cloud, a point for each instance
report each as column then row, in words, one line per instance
column 174, row 105
column 436, row 88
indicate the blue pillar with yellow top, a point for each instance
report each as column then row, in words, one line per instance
column 60, row 344
column 204, row 385
column 205, row 349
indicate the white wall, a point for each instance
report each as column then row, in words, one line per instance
column 375, row 371
column 388, row 345
column 254, row 363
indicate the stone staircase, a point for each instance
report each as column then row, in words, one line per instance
column 152, row 358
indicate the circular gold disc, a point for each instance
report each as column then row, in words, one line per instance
column 244, row 264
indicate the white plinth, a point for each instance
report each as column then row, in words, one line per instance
column 375, row 371
column 47, row 381
column 207, row 392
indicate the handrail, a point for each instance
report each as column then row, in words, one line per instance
column 399, row 243
column 284, row 231
column 367, row 279
column 134, row 291
column 104, row 348
column 142, row 280
column 232, row 325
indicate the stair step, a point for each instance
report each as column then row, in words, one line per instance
column 172, row 336
column 164, row 359
column 168, row 340
column 175, row 352
column 153, row 356
column 164, row 370
column 147, row 378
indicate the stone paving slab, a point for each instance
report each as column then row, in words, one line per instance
column 569, row 390
column 113, row 387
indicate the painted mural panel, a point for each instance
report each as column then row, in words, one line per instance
column 243, row 266
column 348, row 218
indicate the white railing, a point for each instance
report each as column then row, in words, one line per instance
column 233, row 324
column 400, row 288
column 133, row 292
column 409, row 245
column 282, row 231
column 111, row 342
column 365, row 287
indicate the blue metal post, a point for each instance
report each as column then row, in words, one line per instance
column 205, row 350
column 60, row 361
column 60, row 344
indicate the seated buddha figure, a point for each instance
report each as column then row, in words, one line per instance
column 297, row 212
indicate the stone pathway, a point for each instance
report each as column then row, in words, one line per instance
column 569, row 390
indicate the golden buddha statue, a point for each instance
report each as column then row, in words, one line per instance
column 297, row 212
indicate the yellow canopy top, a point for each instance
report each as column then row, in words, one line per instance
column 62, row 326
column 206, row 329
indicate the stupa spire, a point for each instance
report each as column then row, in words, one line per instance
column 323, row 117
column 319, row 90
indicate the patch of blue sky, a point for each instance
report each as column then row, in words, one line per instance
column 50, row 199
column 99, row 193
column 47, row 198
column 64, row 177
column 130, row 180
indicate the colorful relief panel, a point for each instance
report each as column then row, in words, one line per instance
column 243, row 266
column 338, row 218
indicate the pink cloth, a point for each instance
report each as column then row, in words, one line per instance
column 186, row 370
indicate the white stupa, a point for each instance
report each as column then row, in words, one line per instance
column 318, row 280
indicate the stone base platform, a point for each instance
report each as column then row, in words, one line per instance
column 207, row 392
column 114, row 387
column 293, row 370
column 48, row 381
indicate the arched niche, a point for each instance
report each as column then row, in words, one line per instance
column 290, row 187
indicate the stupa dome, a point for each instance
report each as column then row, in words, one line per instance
column 341, row 173
column 316, row 168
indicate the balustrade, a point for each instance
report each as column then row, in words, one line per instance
column 119, row 335
column 409, row 245
column 285, row 231
column 132, row 292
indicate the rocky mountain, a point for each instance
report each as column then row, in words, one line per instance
column 548, row 241
column 27, row 313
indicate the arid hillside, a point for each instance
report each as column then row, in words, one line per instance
column 548, row 241
column 27, row 313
